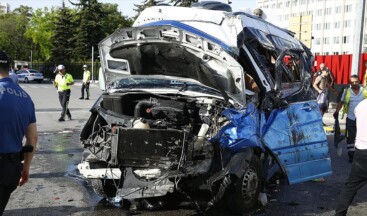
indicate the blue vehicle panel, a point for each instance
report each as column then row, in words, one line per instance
column 242, row 131
column 296, row 136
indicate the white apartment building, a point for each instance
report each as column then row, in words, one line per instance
column 4, row 7
column 331, row 22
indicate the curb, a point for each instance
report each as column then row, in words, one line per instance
column 331, row 130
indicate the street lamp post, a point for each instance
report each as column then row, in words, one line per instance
column 31, row 58
column 93, row 64
column 358, row 34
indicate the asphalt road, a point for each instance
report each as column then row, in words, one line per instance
column 55, row 187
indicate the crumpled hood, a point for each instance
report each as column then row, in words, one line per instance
column 174, row 50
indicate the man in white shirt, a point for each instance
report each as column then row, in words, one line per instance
column 358, row 174
column 86, row 81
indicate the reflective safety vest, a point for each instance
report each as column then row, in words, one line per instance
column 86, row 76
column 347, row 99
column 62, row 81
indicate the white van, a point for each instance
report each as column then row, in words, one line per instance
column 205, row 104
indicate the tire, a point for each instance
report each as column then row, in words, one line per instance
column 26, row 80
column 105, row 188
column 242, row 196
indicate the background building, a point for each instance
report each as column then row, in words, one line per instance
column 329, row 22
column 4, row 7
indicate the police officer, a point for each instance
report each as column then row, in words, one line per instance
column 17, row 119
column 62, row 82
column 86, row 82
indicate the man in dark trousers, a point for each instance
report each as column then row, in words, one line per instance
column 358, row 174
column 322, row 85
column 351, row 97
column 86, row 82
column 17, row 120
column 62, row 82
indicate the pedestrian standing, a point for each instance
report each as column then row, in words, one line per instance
column 17, row 120
column 358, row 174
column 63, row 81
column 330, row 75
column 351, row 97
column 323, row 85
column 86, row 82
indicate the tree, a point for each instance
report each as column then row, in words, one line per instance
column 89, row 31
column 113, row 19
column 60, row 39
column 40, row 29
column 7, row 27
column 12, row 28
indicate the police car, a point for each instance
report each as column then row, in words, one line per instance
column 26, row 75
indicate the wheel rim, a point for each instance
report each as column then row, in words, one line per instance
column 250, row 184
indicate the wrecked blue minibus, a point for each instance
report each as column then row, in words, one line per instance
column 209, row 105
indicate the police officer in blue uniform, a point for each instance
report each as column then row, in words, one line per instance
column 17, row 120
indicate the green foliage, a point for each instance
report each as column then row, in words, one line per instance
column 63, row 34
column 40, row 30
column 60, row 40
column 25, row 11
column 89, row 31
column 12, row 30
column 113, row 19
column 59, row 34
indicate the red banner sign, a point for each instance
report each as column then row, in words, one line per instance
column 341, row 66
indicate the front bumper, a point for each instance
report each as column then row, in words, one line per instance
column 99, row 173
column 134, row 188
column 35, row 78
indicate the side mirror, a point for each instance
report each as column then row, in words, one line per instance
column 101, row 80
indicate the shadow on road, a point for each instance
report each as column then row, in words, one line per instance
column 47, row 211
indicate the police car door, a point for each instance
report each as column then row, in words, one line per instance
column 294, row 131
